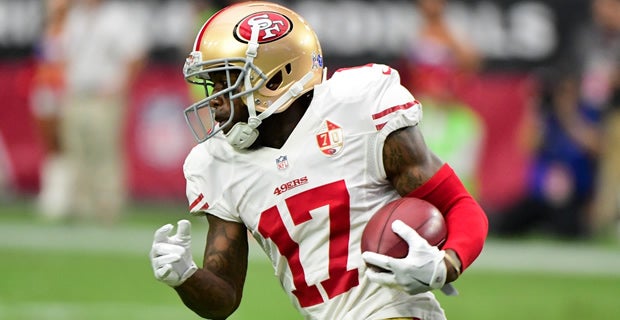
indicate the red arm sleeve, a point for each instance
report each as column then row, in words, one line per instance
column 466, row 221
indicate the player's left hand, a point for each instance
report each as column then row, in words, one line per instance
column 171, row 256
column 423, row 268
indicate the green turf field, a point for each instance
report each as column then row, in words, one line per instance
column 84, row 271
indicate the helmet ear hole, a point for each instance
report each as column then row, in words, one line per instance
column 274, row 83
column 288, row 68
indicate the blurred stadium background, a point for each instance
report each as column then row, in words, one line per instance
column 84, row 270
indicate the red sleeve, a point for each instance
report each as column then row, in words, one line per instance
column 466, row 221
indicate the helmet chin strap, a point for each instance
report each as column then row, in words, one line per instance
column 242, row 135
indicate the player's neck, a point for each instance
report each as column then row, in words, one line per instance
column 276, row 129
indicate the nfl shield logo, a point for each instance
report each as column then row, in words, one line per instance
column 282, row 162
column 329, row 138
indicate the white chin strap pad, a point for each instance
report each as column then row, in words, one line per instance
column 241, row 135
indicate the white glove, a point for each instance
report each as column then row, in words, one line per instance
column 423, row 268
column 171, row 257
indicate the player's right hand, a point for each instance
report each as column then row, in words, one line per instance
column 423, row 268
column 171, row 256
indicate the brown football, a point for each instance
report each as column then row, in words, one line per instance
column 419, row 214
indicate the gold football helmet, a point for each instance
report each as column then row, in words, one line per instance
column 276, row 53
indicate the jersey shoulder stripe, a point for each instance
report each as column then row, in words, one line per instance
column 383, row 117
column 199, row 204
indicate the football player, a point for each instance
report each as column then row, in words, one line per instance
column 302, row 162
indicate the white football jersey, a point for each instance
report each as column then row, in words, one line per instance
column 307, row 203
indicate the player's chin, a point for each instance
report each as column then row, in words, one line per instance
column 220, row 114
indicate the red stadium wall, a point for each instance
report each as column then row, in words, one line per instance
column 156, row 136
column 157, row 139
column 24, row 151
column 502, row 100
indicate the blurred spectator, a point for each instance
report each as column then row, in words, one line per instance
column 596, row 52
column 106, row 47
column 564, row 164
column 605, row 216
column 598, row 55
column 453, row 130
column 437, row 43
column 46, row 101
column 437, row 60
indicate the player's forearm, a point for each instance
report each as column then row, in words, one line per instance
column 468, row 228
column 209, row 296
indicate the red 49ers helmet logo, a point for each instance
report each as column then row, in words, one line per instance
column 272, row 26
